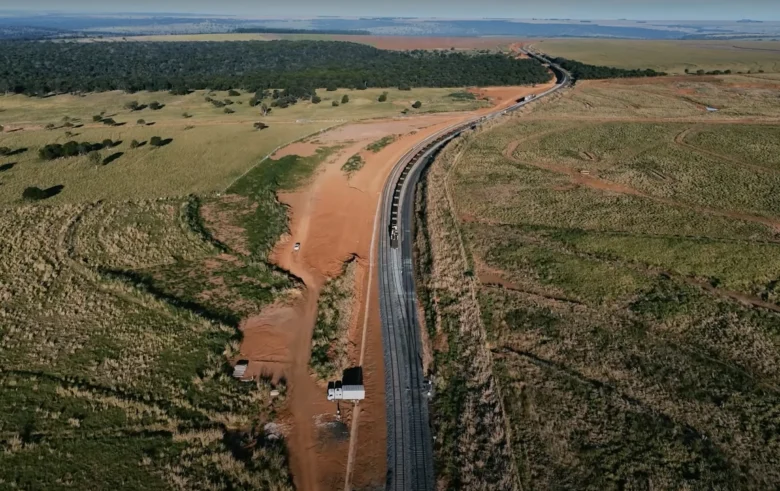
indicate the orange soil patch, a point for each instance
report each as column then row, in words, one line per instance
column 302, row 149
column 414, row 42
column 333, row 219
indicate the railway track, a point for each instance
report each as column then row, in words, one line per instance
column 409, row 442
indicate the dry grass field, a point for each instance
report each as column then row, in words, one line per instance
column 620, row 249
column 669, row 56
column 209, row 148
column 112, row 382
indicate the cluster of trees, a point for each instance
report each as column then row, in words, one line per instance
column 38, row 68
column 136, row 106
column 55, row 151
column 582, row 71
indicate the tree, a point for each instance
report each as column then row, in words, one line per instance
column 141, row 122
column 417, row 104
column 154, row 106
column 107, row 143
column 109, row 122
column 331, row 88
column 156, row 141
column 135, row 144
column 228, row 111
column 5, row 151
column 315, row 99
column 132, row 105
column 334, row 103
column 700, row 72
column 345, row 99
column 687, row 71
column 234, row 93
column 97, row 118
column 260, row 126
column 383, row 97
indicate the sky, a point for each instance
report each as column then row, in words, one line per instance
column 520, row 9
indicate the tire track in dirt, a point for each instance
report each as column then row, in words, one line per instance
column 599, row 184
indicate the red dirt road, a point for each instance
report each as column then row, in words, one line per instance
column 333, row 219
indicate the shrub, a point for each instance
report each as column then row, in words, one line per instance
column 135, row 144
column 228, row 111
column 33, row 193
column 383, row 97
column 141, row 122
column 186, row 115
column 417, row 104
column 132, row 105
column 260, row 126
column 315, row 99
column 97, row 118
column 227, row 102
column 404, row 87
column 345, row 99
column 334, row 103
column 109, row 122
column 5, row 151
column 234, row 93
column 156, row 141
column 154, row 106
column 107, row 143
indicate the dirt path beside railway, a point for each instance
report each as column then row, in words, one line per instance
column 333, row 218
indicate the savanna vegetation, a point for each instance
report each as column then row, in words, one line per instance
column 607, row 292
column 40, row 68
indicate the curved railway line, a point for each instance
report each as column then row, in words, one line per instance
column 409, row 442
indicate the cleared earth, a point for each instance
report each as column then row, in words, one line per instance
column 601, row 290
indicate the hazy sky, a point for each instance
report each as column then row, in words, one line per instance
column 575, row 9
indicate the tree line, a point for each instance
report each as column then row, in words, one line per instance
column 41, row 68
column 282, row 30
column 583, row 71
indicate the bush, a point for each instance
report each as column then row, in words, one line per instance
column 345, row 99
column 260, row 126
column 186, row 115
column 315, row 99
column 156, row 141
column 33, row 193
column 383, row 97
column 228, row 111
column 334, row 103
column 5, row 151
column 404, row 87
column 154, row 106
column 132, row 105
column 234, row 93
column 107, row 143
column 135, row 144
column 417, row 104
column 141, row 122
column 97, row 118
column 109, row 122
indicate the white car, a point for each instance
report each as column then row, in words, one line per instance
column 297, row 247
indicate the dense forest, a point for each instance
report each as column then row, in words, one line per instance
column 39, row 68
column 582, row 71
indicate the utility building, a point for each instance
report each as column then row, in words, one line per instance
column 349, row 388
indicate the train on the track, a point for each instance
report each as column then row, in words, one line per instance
column 393, row 229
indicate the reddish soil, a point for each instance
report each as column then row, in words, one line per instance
column 413, row 42
column 333, row 219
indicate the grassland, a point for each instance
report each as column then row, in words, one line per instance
column 669, row 56
column 209, row 149
column 625, row 269
column 120, row 316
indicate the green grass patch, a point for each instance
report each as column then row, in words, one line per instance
column 381, row 143
column 462, row 96
column 353, row 164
